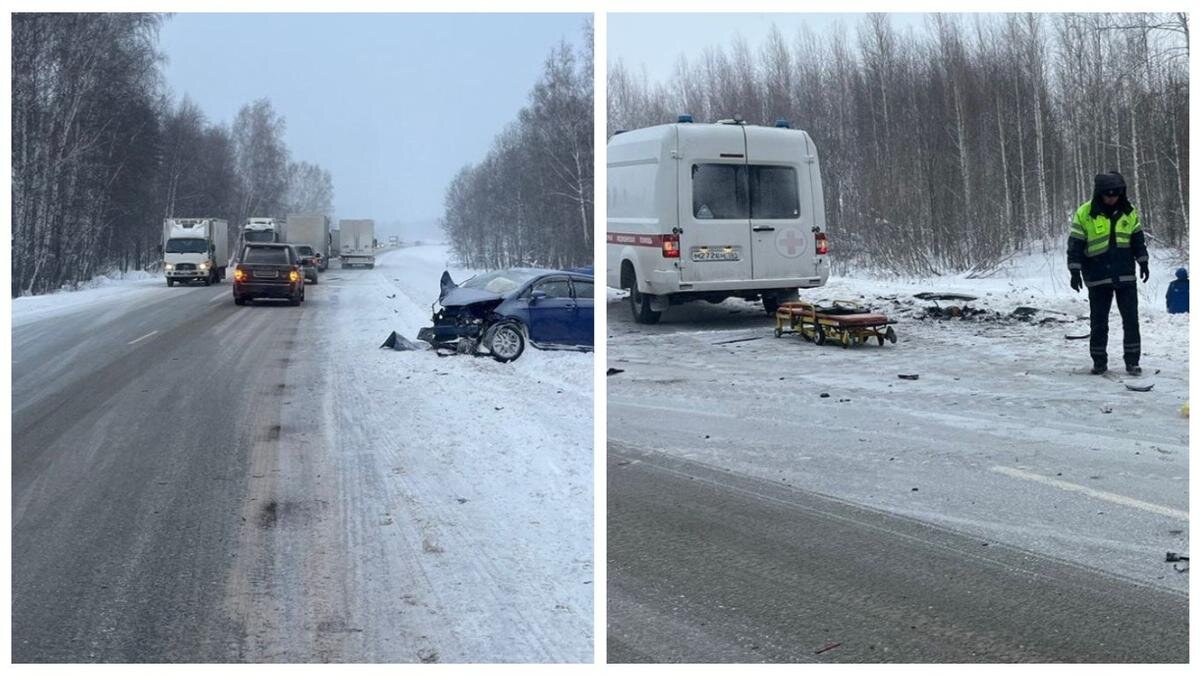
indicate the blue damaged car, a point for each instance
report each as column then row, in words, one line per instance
column 497, row 313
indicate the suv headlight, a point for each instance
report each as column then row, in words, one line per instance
column 170, row 267
column 204, row 265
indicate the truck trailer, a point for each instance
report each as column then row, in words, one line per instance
column 195, row 250
column 311, row 230
column 357, row 242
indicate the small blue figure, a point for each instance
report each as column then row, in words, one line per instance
column 1177, row 293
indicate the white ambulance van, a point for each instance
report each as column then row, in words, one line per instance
column 712, row 211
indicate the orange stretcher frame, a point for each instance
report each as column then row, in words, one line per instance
column 845, row 323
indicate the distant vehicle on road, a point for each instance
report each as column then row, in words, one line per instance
column 195, row 250
column 261, row 230
column 311, row 230
column 712, row 211
column 308, row 262
column 357, row 238
column 498, row 312
column 268, row 270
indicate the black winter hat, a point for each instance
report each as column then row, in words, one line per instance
column 1110, row 181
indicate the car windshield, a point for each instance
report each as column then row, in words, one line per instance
column 305, row 250
column 189, row 245
column 501, row 281
column 266, row 255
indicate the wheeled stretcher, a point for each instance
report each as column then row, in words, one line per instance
column 844, row 322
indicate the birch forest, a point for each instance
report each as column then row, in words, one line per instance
column 102, row 152
column 529, row 201
column 951, row 146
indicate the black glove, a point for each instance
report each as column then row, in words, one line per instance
column 1145, row 265
column 1076, row 280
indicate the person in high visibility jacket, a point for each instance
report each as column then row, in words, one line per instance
column 1106, row 240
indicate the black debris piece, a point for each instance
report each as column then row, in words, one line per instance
column 400, row 343
column 908, row 376
column 1082, row 337
column 1139, row 388
column 738, row 340
column 613, row 371
column 930, row 295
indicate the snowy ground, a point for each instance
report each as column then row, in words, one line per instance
column 469, row 481
column 1003, row 436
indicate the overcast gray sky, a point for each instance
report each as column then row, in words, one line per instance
column 656, row 40
column 392, row 104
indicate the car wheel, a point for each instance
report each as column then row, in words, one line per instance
column 314, row 280
column 506, row 342
column 170, row 282
column 239, row 301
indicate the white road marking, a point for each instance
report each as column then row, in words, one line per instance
column 1091, row 492
column 219, row 296
column 138, row 340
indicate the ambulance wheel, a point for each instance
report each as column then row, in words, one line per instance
column 639, row 304
column 819, row 336
column 890, row 335
column 770, row 303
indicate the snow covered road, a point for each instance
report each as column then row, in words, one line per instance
column 195, row 481
column 1004, row 438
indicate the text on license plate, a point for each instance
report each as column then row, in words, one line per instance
column 703, row 255
column 266, row 274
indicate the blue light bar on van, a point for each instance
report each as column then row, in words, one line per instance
column 685, row 118
column 782, row 123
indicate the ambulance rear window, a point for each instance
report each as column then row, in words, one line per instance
column 719, row 191
column 773, row 192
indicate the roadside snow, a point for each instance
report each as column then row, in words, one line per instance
column 466, row 482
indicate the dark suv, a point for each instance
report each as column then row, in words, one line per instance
column 267, row 270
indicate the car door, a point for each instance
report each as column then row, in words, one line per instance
column 781, row 213
column 581, row 326
column 714, row 210
column 551, row 315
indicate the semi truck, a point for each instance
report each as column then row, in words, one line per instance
column 357, row 242
column 311, row 230
column 195, row 250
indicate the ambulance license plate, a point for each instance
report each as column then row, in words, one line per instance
column 701, row 256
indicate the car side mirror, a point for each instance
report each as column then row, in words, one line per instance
column 537, row 296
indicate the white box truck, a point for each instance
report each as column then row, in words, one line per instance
column 195, row 250
column 357, row 239
column 712, row 211
column 311, row 230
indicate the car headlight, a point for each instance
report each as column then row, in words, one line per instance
column 204, row 265
column 170, row 267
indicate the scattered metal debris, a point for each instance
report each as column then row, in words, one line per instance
column 1174, row 558
column 738, row 340
column 827, row 648
column 1139, row 388
column 908, row 376
column 1083, row 337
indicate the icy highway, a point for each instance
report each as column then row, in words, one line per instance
column 195, row 481
column 772, row 500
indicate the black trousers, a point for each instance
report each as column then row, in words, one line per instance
column 1100, row 300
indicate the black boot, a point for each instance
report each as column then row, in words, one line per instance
column 1098, row 369
column 1133, row 369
